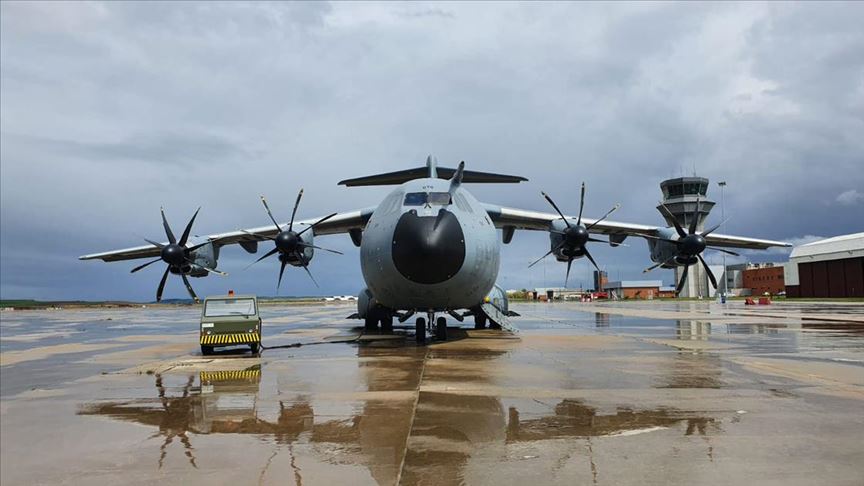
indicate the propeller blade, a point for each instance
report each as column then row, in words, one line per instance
column 567, row 277
column 189, row 288
column 316, row 223
column 270, row 214
column 652, row 267
column 581, row 205
column 708, row 271
column 695, row 218
column 307, row 245
column 305, row 267
column 661, row 239
column 257, row 235
column 722, row 250
column 142, row 266
column 281, row 271
column 683, row 279
column 188, row 229
column 274, row 250
column 294, row 212
column 211, row 270
column 675, row 222
column 592, row 259
column 535, row 262
column 157, row 245
column 713, row 228
column 168, row 232
column 547, row 254
column 162, row 285
column 614, row 208
column 556, row 208
column 612, row 243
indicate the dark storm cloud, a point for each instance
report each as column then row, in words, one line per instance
column 111, row 110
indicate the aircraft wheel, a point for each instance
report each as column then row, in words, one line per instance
column 420, row 329
column 441, row 329
column 254, row 348
column 206, row 350
column 479, row 320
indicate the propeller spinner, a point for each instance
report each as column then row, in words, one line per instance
column 289, row 244
column 177, row 255
column 575, row 237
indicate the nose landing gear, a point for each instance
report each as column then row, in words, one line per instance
column 440, row 328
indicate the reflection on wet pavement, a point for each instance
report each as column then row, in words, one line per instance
column 576, row 397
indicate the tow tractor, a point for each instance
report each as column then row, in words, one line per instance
column 230, row 320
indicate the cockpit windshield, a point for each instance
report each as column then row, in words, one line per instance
column 431, row 198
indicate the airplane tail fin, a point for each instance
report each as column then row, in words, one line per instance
column 433, row 171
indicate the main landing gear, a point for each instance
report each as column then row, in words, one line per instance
column 376, row 316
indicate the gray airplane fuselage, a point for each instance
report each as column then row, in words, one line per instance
column 429, row 248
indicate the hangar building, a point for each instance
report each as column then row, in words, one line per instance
column 827, row 268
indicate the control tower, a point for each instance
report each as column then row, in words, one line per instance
column 680, row 195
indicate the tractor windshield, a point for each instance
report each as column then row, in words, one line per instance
column 234, row 307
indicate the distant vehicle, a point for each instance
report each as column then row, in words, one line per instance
column 341, row 298
column 230, row 320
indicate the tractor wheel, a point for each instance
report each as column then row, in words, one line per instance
column 206, row 350
column 254, row 348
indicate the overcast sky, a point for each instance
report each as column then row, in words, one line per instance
column 111, row 110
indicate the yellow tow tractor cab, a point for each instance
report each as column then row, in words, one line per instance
column 230, row 320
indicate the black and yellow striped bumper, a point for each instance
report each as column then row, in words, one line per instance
column 233, row 338
column 210, row 376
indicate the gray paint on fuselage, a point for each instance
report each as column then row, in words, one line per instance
column 474, row 279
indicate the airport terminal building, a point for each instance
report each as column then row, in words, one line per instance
column 827, row 268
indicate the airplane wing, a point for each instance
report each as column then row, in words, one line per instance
column 341, row 223
column 540, row 221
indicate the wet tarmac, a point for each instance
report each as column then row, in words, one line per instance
column 629, row 393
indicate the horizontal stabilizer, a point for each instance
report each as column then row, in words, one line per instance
column 401, row 176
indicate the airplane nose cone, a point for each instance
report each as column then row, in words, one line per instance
column 428, row 250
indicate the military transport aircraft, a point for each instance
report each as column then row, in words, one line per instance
column 429, row 247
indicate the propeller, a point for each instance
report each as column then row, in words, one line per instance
column 690, row 246
column 288, row 243
column 177, row 255
column 575, row 237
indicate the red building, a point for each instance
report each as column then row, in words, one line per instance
column 764, row 279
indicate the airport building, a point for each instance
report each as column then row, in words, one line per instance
column 763, row 278
column 827, row 268
column 638, row 289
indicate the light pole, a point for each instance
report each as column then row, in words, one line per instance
column 722, row 185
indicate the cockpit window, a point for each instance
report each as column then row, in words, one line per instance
column 431, row 198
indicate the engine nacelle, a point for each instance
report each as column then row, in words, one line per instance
column 661, row 251
column 555, row 239
column 204, row 256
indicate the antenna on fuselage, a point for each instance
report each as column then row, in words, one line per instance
column 432, row 165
